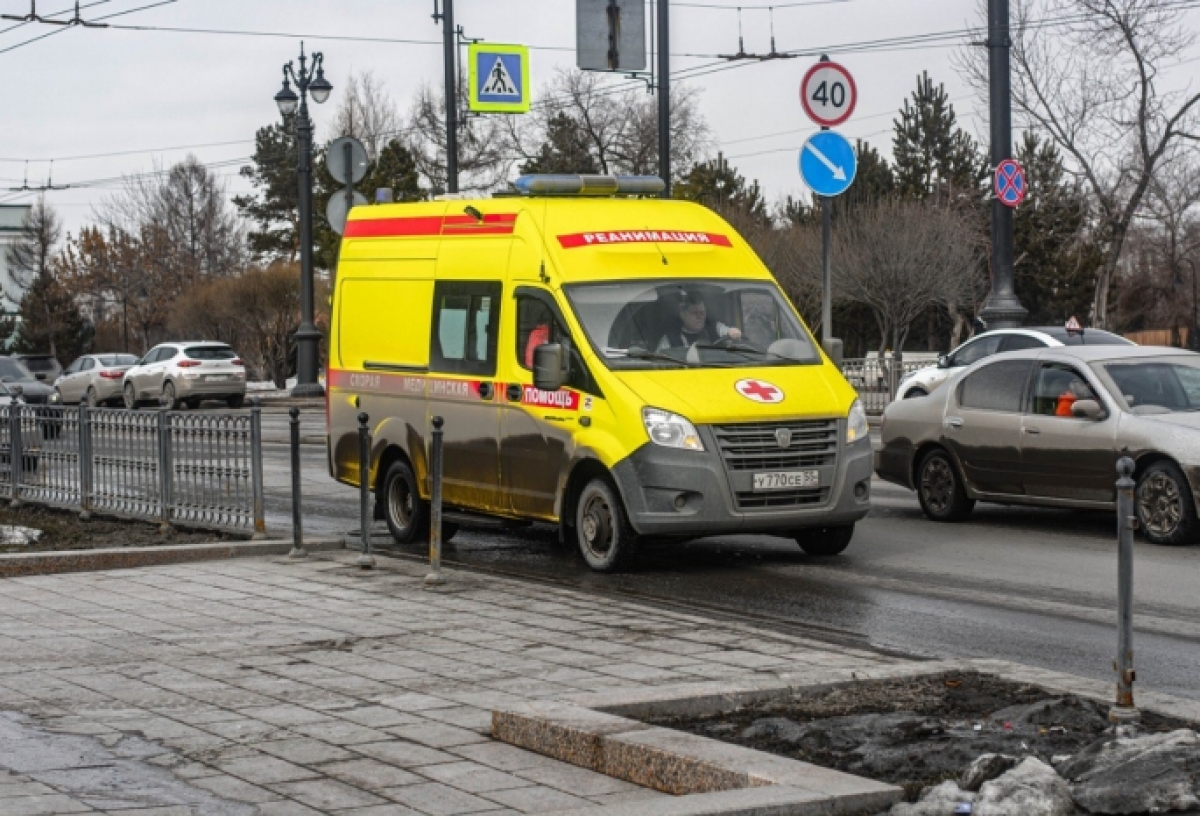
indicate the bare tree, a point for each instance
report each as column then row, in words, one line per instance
column 899, row 258
column 1170, row 213
column 483, row 157
column 31, row 256
column 368, row 113
column 619, row 122
column 1089, row 73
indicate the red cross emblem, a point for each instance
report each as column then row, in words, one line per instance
column 759, row 391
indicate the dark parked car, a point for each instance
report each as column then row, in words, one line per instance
column 45, row 367
column 20, row 380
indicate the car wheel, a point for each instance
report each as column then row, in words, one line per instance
column 1165, row 509
column 406, row 514
column 92, row 400
column 940, row 488
column 130, row 396
column 168, row 400
column 825, row 541
column 606, row 539
column 236, row 401
column 913, row 393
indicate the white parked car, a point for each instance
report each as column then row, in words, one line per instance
column 175, row 374
column 922, row 382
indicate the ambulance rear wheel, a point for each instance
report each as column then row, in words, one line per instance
column 407, row 516
column 605, row 537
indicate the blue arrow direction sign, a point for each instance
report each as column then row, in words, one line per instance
column 828, row 163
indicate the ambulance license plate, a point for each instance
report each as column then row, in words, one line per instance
column 786, row 480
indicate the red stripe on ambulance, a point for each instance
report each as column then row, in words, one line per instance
column 584, row 239
column 432, row 226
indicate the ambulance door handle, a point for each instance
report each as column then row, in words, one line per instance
column 514, row 392
column 487, row 390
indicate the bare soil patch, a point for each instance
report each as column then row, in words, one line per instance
column 917, row 732
column 64, row 530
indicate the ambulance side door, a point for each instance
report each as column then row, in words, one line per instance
column 538, row 428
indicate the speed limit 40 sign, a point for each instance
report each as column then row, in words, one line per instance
column 828, row 94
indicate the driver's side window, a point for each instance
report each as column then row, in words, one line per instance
column 537, row 325
column 975, row 351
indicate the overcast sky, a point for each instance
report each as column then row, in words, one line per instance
column 156, row 95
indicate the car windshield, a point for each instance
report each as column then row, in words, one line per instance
column 11, row 370
column 691, row 323
column 117, row 359
column 1157, row 385
column 210, row 353
column 40, row 363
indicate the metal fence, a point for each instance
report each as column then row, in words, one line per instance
column 876, row 381
column 190, row 469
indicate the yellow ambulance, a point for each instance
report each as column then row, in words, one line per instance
column 621, row 366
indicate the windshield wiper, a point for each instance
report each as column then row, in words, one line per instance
column 639, row 353
column 745, row 350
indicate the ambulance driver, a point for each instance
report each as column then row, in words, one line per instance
column 695, row 327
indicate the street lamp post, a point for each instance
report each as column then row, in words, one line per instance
column 308, row 337
column 1193, row 340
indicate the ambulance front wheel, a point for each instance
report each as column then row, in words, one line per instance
column 407, row 516
column 825, row 541
column 606, row 539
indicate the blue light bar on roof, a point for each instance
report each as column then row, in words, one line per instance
column 584, row 185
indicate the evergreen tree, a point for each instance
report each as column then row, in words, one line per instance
column 567, row 149
column 1057, row 256
column 274, row 206
column 873, row 182
column 51, row 322
column 933, row 155
column 722, row 188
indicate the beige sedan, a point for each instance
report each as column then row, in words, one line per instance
column 1047, row 426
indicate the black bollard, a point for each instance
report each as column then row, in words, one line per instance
column 435, row 577
column 298, row 550
column 365, row 560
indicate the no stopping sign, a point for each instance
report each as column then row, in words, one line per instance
column 828, row 94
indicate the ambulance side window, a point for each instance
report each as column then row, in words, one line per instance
column 466, row 322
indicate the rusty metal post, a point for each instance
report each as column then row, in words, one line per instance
column 298, row 550
column 1124, row 711
column 365, row 560
column 435, row 577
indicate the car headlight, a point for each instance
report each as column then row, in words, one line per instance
column 856, row 423
column 55, row 397
column 671, row 430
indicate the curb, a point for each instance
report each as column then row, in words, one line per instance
column 604, row 732
column 16, row 565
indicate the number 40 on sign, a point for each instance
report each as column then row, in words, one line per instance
column 828, row 94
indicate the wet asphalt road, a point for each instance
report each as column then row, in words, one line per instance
column 1029, row 585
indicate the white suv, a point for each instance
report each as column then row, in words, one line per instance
column 922, row 382
column 175, row 374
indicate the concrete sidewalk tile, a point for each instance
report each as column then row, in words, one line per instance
column 502, row 756
column 264, row 770
column 230, row 787
column 371, row 774
column 285, row 715
column 579, row 781
column 376, row 716
column 472, row 777
column 340, row 733
column 403, row 754
column 382, row 810
column 469, row 717
column 303, row 750
column 436, row 799
column 327, row 794
column 437, row 735
column 286, row 807
column 42, row 805
column 537, row 799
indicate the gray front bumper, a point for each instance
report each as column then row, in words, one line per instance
column 655, row 480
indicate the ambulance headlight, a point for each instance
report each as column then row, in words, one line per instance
column 856, row 424
column 671, row 430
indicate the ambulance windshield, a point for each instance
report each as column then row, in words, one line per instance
column 691, row 323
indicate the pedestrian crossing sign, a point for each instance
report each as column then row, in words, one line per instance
column 498, row 78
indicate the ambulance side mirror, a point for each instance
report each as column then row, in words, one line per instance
column 549, row 366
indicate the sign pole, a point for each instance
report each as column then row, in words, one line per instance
column 1002, row 309
column 826, row 273
column 664, row 96
column 448, row 55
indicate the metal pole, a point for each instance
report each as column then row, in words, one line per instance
column 435, row 577
column 256, row 468
column 1124, row 710
column 448, row 56
column 664, row 95
column 164, row 469
column 85, row 461
column 298, row 550
column 308, row 338
column 16, row 455
column 365, row 560
column 826, row 273
column 1002, row 308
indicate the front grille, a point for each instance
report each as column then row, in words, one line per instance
column 753, row 446
column 782, row 498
